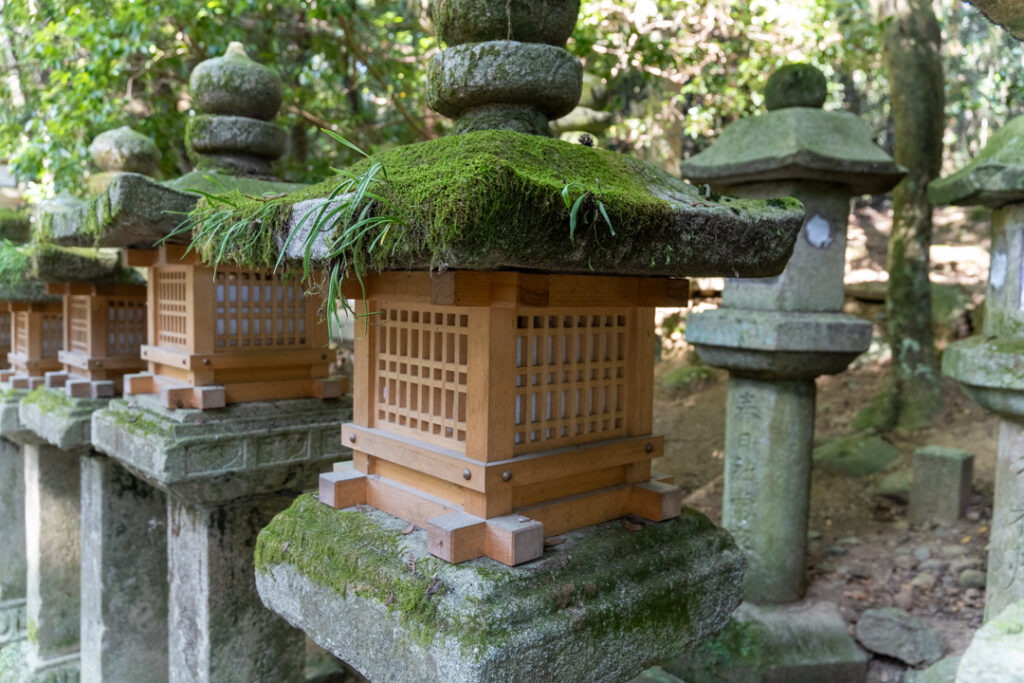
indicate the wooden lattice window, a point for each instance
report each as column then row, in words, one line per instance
column 5, row 330
column 570, row 377
column 21, row 322
column 422, row 358
column 258, row 310
column 53, row 334
column 126, row 327
column 78, row 323
column 172, row 308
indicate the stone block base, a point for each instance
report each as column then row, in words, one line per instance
column 58, row 420
column 17, row 665
column 10, row 422
column 601, row 604
column 799, row 642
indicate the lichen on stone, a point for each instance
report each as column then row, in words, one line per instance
column 49, row 401
column 52, row 263
column 15, row 225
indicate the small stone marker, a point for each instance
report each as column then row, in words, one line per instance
column 894, row 633
column 941, row 484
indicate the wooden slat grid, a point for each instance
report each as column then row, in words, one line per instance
column 53, row 334
column 21, row 320
column 258, row 310
column 126, row 327
column 421, row 361
column 171, row 307
column 78, row 324
column 5, row 331
column 570, row 377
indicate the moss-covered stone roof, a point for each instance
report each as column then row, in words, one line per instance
column 494, row 200
column 1007, row 13
column 15, row 225
column 796, row 143
column 29, row 291
column 51, row 263
column 994, row 177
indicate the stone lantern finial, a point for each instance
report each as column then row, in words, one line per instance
column 236, row 98
column 121, row 150
column 796, row 85
column 505, row 66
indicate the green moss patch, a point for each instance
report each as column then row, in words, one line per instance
column 15, row 225
column 48, row 400
column 614, row 583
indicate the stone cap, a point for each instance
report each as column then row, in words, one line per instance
column 51, row 263
column 136, row 211
column 796, row 143
column 1006, row 13
column 492, row 200
column 993, row 178
column 474, row 21
column 28, row 291
column 123, row 149
column 796, row 85
column 234, row 85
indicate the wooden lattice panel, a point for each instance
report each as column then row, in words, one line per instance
column 570, row 377
column 494, row 409
column 422, row 357
column 5, row 333
column 78, row 323
column 126, row 327
column 37, row 333
column 228, row 336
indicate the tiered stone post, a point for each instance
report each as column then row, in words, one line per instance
column 494, row 408
column 990, row 365
column 776, row 335
column 224, row 470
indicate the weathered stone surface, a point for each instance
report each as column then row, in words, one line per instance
column 15, row 225
column 376, row 599
column 1006, row 13
column 543, row 77
column 11, row 427
column 18, row 666
column 124, row 149
column 855, row 455
column 797, row 143
column 803, row 641
column 942, row 671
column 234, row 85
column 124, row 576
column 493, row 200
column 1005, row 582
column 992, row 371
column 768, row 440
column 941, row 486
column 13, row 568
column 235, row 135
column 526, row 21
column 777, row 345
column 996, row 653
column 58, row 420
column 52, row 263
column 513, row 117
column 795, row 85
column 219, row 630
column 894, row 633
column 813, row 278
column 994, row 177
column 209, row 457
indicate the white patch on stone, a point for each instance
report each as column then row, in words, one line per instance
column 819, row 232
column 997, row 271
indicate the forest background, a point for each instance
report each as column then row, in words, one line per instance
column 668, row 74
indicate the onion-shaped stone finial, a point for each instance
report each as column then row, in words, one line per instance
column 234, row 85
column 528, row 21
column 796, row 85
column 125, row 150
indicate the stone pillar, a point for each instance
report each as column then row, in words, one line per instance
column 219, row 629
column 13, row 568
column 1005, row 582
column 769, row 435
column 124, row 576
column 53, row 533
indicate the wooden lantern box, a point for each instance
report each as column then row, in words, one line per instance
column 104, row 328
column 495, row 409
column 36, row 339
column 230, row 336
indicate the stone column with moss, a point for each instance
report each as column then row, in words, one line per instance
column 990, row 365
column 504, row 65
column 13, row 620
column 776, row 335
column 223, row 473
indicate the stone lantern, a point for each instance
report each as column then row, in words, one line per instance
column 776, row 335
column 990, row 365
column 502, row 401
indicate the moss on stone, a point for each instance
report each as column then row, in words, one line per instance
column 796, row 85
column 494, row 199
column 49, row 401
column 15, row 225
column 527, row 21
column 14, row 264
column 579, row 589
column 52, row 263
column 134, row 421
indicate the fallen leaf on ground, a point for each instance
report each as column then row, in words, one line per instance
column 408, row 530
column 632, row 526
column 557, row 540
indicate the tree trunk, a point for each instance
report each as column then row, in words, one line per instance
column 912, row 41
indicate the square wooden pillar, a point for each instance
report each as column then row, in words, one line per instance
column 36, row 339
column 497, row 409
column 227, row 336
column 104, row 327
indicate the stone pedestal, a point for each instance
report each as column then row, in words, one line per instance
column 1005, row 582
column 602, row 604
column 226, row 473
column 941, row 486
column 124, row 576
column 13, row 568
column 767, row 483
